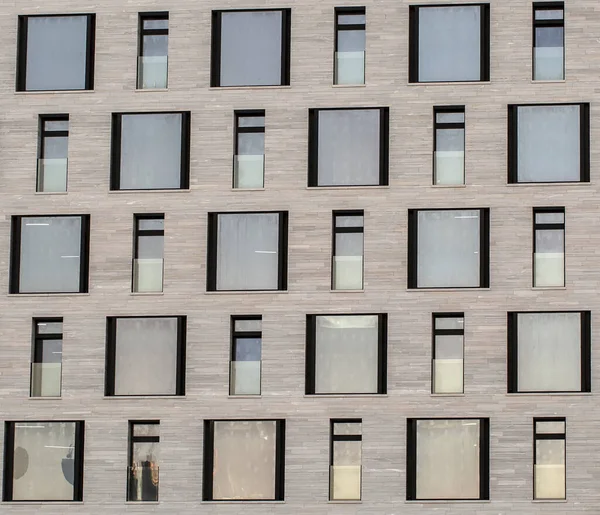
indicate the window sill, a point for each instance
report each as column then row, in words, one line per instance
column 42, row 503
column 441, row 290
column 246, row 396
column 343, row 502
column 447, row 394
column 359, row 187
column 135, row 192
column 245, row 292
column 223, row 88
column 548, row 288
column 56, row 92
column 51, row 192
column 547, row 394
column 448, row 185
column 140, row 90
column 458, row 83
column 348, row 85
column 248, row 189
column 450, row 501
column 146, row 293
column 556, row 81
column 545, row 184
column 45, row 398
column 347, row 291
column 138, row 503
column 74, row 294
column 344, row 395
column 551, row 501
column 243, row 501
column 129, row 397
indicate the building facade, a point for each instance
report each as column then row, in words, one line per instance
column 308, row 257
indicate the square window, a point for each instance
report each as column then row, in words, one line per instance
column 548, row 143
column 448, row 248
column 347, row 250
column 46, row 359
column 153, row 50
column 43, row 461
column 448, row 459
column 447, row 374
column 53, row 153
column 548, row 41
column 148, row 253
column 56, row 52
column 249, row 152
column 549, row 458
column 350, row 45
column 246, row 351
column 346, row 354
column 449, row 145
column 150, row 151
column 548, row 246
column 549, row 352
column 244, row 460
column 449, row 43
column 345, row 460
column 145, row 356
column 144, row 447
column 50, row 254
column 247, row 251
column 251, row 47
column 348, row 147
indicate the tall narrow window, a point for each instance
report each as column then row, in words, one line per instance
column 53, row 153
column 348, row 250
column 148, row 253
column 345, row 460
column 549, row 247
column 249, row 155
column 246, row 350
column 350, row 44
column 449, row 145
column 549, row 458
column 448, row 353
column 153, row 51
column 142, row 477
column 46, row 362
column 548, row 41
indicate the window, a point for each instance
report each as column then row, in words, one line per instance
column 249, row 158
column 448, row 248
column 346, row 354
column 548, row 246
column 548, row 143
column 53, row 153
column 43, row 461
column 50, row 254
column 548, row 41
column 448, row 459
column 142, row 474
column 449, row 145
column 549, row 458
column 56, row 53
column 153, row 49
column 247, row 251
column 549, row 352
column 449, row 43
column 348, row 147
column 350, row 43
column 246, row 349
column 244, row 460
column 46, row 360
column 448, row 353
column 251, row 47
column 345, row 460
column 148, row 253
column 348, row 250
column 150, row 151
column 145, row 356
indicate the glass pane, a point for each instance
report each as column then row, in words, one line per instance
column 450, row 139
column 153, row 72
column 349, row 68
column 449, row 322
column 449, row 346
column 450, row 117
column 44, row 461
column 156, row 24
column 349, row 244
column 347, row 428
column 146, row 429
column 144, row 469
column 351, row 19
column 244, row 460
column 151, row 224
column 155, row 46
column 245, row 370
column 247, row 349
column 550, row 218
column 550, row 427
column 549, row 258
column 349, row 221
column 46, row 379
column 549, row 61
column 248, row 325
column 550, row 469
column 351, row 41
column 251, row 121
column 52, row 175
column 148, row 275
column 251, row 48
column 56, row 125
column 548, row 14
column 251, row 143
column 150, row 247
column 49, row 327
column 56, row 148
column 448, row 364
column 249, row 171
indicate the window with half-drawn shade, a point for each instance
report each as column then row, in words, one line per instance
column 53, row 154
column 350, row 45
column 548, row 41
column 249, row 152
column 448, row 353
column 148, row 253
column 548, row 246
column 43, row 461
column 347, row 250
column 246, row 352
column 549, row 458
column 449, row 145
column 345, row 460
column 46, row 359
column 153, row 51
column 143, row 468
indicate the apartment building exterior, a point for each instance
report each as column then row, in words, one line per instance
column 308, row 257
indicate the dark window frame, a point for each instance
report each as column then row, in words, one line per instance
column 311, row 348
column 208, row 461
column 584, row 142
column 513, row 352
column 343, row 438
column 538, row 226
column 548, row 436
column 110, row 356
column 22, row 50
column 233, row 343
column 484, row 458
column 484, row 41
column 313, row 146
column 215, row 53
column 212, row 254
column 238, row 129
column 445, row 125
column 538, row 24
column 445, row 332
column 347, row 11
column 484, row 248
column 149, row 16
column 37, row 345
column 137, row 232
column 9, row 444
column 15, row 253
column 115, row 150
column 44, row 133
column 340, row 230
column 131, row 441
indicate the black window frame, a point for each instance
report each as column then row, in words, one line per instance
column 215, row 53
column 115, row 150
column 513, row 352
column 208, row 461
column 44, row 133
column 137, row 232
column 150, row 16
column 9, row 444
column 235, row 334
column 311, row 348
column 484, row 248
column 15, row 254
column 110, row 356
column 37, row 345
column 343, row 438
column 484, row 41
column 435, row 332
column 584, row 142
column 538, row 24
column 539, row 226
column 22, row 51
column 313, row 146
column 340, row 230
column 454, row 109
column 131, row 441
column 239, row 129
column 548, row 436
column 212, row 254
column 348, row 11
column 484, row 458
